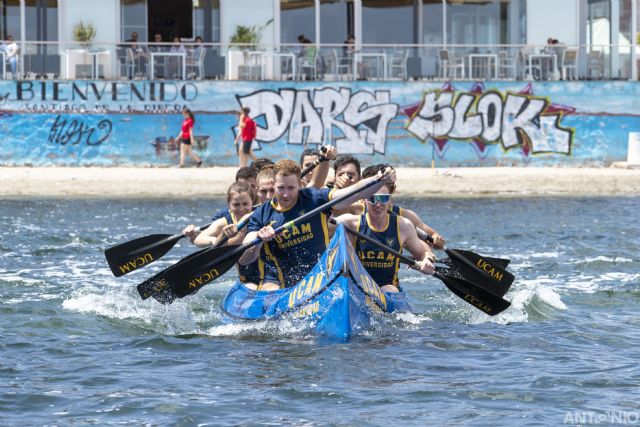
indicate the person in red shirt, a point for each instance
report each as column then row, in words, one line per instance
column 247, row 132
column 186, row 138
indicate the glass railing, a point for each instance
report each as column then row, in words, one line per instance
column 184, row 61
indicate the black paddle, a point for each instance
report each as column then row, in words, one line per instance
column 502, row 262
column 188, row 277
column 469, row 292
column 135, row 254
column 487, row 272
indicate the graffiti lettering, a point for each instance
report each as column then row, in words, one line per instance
column 75, row 132
column 355, row 123
column 104, row 91
column 516, row 121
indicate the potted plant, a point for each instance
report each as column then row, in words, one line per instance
column 84, row 34
column 248, row 38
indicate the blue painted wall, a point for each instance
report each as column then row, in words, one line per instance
column 459, row 123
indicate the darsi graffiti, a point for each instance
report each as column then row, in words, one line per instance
column 75, row 131
column 489, row 117
column 354, row 122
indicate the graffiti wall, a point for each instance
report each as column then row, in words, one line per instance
column 454, row 123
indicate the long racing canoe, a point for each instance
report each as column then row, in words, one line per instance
column 338, row 298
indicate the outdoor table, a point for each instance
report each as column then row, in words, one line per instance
column 541, row 57
column 378, row 56
column 485, row 56
column 182, row 55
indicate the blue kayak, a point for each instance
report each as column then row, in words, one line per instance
column 337, row 297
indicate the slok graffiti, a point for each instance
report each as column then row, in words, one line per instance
column 354, row 122
column 489, row 117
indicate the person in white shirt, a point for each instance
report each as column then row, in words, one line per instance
column 11, row 51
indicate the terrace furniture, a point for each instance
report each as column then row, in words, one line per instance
column 450, row 65
column 570, row 64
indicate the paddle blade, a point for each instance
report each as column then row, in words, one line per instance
column 188, row 277
column 479, row 270
column 500, row 262
column 132, row 255
column 480, row 298
column 157, row 282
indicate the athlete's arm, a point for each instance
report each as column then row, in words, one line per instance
column 349, row 221
column 251, row 254
column 388, row 177
column 236, row 236
column 438, row 240
column 321, row 172
column 209, row 236
column 414, row 245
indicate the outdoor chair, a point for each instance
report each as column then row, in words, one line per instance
column 343, row 66
column 398, row 64
column 570, row 64
column 507, row 66
column 308, row 64
column 595, row 64
column 195, row 62
column 450, row 64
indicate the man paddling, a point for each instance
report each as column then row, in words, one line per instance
column 438, row 241
column 391, row 230
column 290, row 255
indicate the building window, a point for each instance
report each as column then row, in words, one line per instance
column 336, row 20
column 297, row 17
column 206, row 20
column 133, row 19
column 470, row 22
column 377, row 15
column 432, row 23
column 10, row 18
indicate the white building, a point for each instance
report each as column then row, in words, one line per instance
column 44, row 29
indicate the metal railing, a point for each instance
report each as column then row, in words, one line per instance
column 127, row 60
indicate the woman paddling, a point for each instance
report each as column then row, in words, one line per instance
column 240, row 198
column 186, row 138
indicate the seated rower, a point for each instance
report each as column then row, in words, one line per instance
column 264, row 181
column 240, row 199
column 391, row 230
column 244, row 174
column 290, row 255
column 347, row 173
column 316, row 177
column 247, row 174
column 438, row 241
column 261, row 163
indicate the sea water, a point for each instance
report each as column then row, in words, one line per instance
column 78, row 346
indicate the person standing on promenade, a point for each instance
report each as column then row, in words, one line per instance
column 187, row 139
column 247, row 132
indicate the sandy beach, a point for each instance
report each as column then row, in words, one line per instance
column 162, row 183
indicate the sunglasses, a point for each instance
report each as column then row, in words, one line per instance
column 382, row 198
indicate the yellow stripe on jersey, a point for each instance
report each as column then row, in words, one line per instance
column 275, row 262
column 325, row 228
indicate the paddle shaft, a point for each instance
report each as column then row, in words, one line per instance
column 242, row 224
column 182, row 278
column 310, row 214
column 469, row 292
column 405, row 259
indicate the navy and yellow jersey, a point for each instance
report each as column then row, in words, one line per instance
column 396, row 209
column 290, row 255
column 381, row 265
column 250, row 273
column 220, row 214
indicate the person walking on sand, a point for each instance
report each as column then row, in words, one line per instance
column 247, row 132
column 186, row 138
